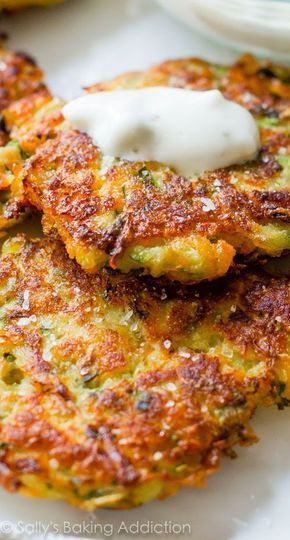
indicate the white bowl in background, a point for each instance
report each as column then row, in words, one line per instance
column 258, row 26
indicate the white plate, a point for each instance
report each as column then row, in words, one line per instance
column 77, row 44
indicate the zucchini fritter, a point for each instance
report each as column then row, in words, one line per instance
column 141, row 215
column 19, row 4
column 19, row 77
column 117, row 390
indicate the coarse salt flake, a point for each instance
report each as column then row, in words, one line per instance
column 24, row 321
column 25, row 304
column 217, row 183
column 184, row 354
column 54, row 464
column 157, row 456
column 170, row 403
column 171, row 386
column 208, row 205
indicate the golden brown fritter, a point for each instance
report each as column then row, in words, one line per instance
column 117, row 390
column 131, row 215
column 19, row 4
column 32, row 120
column 19, row 77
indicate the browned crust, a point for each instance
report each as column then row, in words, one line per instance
column 19, row 77
column 71, row 202
column 100, row 406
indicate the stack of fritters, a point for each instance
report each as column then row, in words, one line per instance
column 19, row 77
column 120, row 387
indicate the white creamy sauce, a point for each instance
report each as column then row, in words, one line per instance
column 188, row 130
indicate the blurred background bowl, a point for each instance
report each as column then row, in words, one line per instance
column 258, row 26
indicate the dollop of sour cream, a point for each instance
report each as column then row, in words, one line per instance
column 191, row 131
